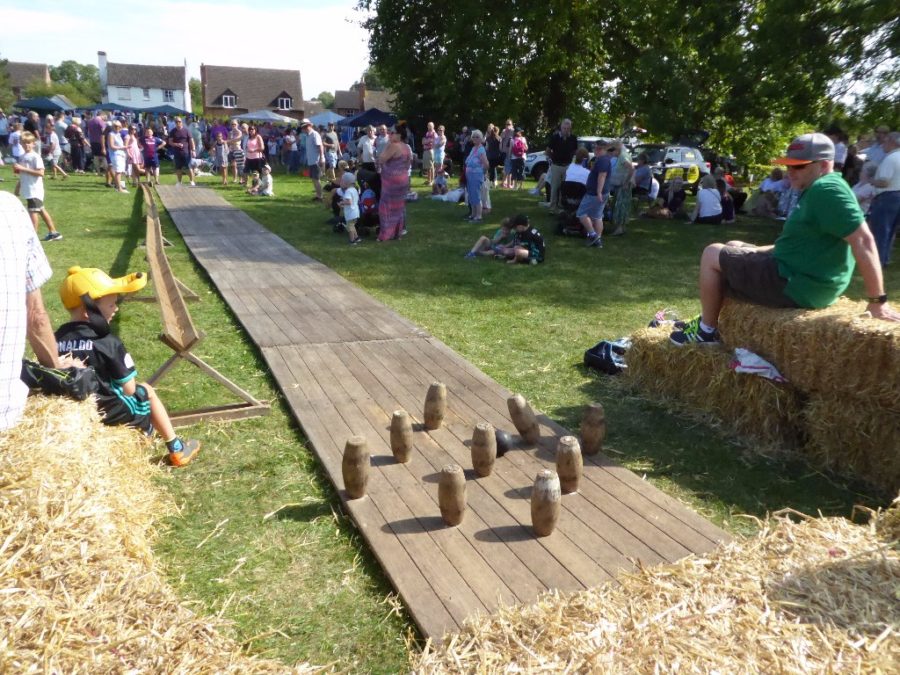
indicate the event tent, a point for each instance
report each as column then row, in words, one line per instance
column 264, row 116
column 164, row 109
column 326, row 117
column 371, row 116
column 45, row 104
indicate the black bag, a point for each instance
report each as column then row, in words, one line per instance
column 608, row 357
column 76, row 383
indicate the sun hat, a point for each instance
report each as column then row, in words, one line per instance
column 96, row 283
column 806, row 149
column 305, row 122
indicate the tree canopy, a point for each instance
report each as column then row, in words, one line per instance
column 749, row 71
column 326, row 98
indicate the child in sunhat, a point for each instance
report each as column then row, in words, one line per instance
column 90, row 295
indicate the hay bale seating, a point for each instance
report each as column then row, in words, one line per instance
column 80, row 585
column 813, row 596
column 841, row 407
column 701, row 380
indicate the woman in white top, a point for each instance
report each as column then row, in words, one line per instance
column 115, row 146
column 709, row 202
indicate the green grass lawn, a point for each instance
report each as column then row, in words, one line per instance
column 301, row 585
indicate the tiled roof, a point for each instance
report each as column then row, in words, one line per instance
column 383, row 100
column 20, row 74
column 255, row 88
column 135, row 75
column 311, row 108
column 346, row 100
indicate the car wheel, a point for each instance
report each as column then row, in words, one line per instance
column 538, row 169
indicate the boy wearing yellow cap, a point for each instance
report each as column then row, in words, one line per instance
column 90, row 295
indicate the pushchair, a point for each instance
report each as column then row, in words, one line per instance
column 570, row 198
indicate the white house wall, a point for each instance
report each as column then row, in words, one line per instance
column 136, row 98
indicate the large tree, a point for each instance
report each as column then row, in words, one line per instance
column 746, row 70
column 83, row 78
column 6, row 92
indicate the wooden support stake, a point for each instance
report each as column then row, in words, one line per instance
column 569, row 464
column 523, row 418
column 545, row 503
column 435, row 405
column 401, row 436
column 452, row 494
column 355, row 467
column 484, row 449
column 593, row 429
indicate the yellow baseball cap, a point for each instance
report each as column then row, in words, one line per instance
column 97, row 284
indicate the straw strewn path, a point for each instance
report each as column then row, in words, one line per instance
column 345, row 362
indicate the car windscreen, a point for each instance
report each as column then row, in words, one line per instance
column 655, row 153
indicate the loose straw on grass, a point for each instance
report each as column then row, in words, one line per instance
column 80, row 588
column 815, row 596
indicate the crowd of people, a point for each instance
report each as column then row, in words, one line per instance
column 840, row 205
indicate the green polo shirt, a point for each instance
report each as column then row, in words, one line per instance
column 811, row 251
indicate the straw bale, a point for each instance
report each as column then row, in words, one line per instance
column 836, row 349
column 699, row 379
column 888, row 523
column 81, row 591
column 854, row 436
column 814, row 596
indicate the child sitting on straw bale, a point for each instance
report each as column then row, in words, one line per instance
column 90, row 295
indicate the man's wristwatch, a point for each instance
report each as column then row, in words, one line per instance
column 880, row 300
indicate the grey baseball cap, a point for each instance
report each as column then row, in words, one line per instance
column 808, row 148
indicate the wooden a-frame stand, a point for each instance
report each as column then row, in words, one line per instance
column 181, row 336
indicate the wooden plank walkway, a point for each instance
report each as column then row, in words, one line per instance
column 345, row 362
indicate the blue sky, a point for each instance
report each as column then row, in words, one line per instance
column 322, row 39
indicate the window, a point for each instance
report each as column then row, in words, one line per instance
column 229, row 101
column 285, row 103
column 168, row 95
column 124, row 93
column 690, row 156
column 146, row 94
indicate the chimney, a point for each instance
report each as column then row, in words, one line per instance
column 104, row 77
column 187, row 89
column 362, row 93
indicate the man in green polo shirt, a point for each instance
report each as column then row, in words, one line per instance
column 812, row 261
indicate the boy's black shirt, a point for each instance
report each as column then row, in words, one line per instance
column 531, row 236
column 106, row 354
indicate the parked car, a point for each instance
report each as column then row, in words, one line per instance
column 667, row 161
column 537, row 163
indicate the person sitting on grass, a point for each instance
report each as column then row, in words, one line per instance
column 29, row 167
column 503, row 239
column 728, row 204
column 262, row 185
column 709, row 203
column 439, row 185
column 528, row 244
column 90, row 296
column 811, row 262
column 350, row 202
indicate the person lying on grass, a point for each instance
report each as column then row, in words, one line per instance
column 528, row 244
column 90, row 295
column 503, row 238
column 811, row 262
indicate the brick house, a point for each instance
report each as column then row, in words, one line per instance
column 138, row 86
column 359, row 98
column 231, row 91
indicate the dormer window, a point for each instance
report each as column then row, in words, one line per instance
column 229, row 101
column 285, row 103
